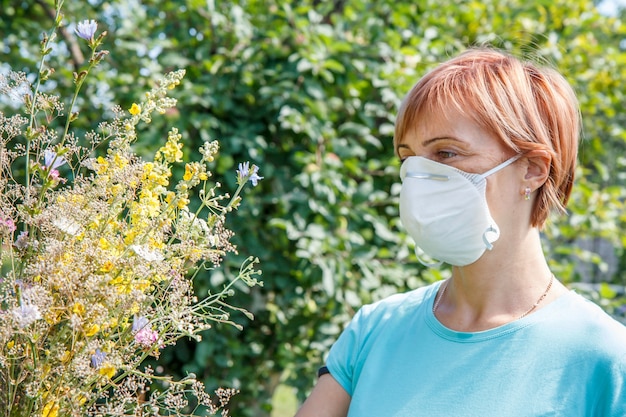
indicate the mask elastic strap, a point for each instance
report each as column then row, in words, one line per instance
column 486, row 241
column 501, row 166
column 423, row 262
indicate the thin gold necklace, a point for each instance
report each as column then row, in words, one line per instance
column 534, row 306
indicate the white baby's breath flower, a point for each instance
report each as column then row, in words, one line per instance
column 150, row 255
column 192, row 221
column 66, row 225
column 75, row 321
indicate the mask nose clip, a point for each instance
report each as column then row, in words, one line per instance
column 427, row 176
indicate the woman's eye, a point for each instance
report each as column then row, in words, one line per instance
column 404, row 155
column 446, row 154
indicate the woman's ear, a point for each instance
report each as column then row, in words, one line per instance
column 538, row 168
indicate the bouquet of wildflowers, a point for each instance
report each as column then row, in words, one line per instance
column 99, row 255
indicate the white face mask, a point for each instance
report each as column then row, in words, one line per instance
column 445, row 210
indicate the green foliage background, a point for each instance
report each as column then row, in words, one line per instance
column 308, row 91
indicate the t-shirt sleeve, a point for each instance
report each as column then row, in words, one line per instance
column 342, row 361
column 613, row 393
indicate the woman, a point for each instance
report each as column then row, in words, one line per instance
column 488, row 145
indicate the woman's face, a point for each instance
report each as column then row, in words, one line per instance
column 454, row 139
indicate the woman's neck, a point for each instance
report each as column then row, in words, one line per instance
column 499, row 288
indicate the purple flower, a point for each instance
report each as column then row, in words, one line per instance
column 86, row 29
column 51, row 160
column 26, row 314
column 254, row 177
column 244, row 169
column 139, row 322
column 98, row 358
column 22, row 240
column 251, row 174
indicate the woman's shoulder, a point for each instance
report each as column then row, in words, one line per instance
column 582, row 319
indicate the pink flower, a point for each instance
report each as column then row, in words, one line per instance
column 7, row 225
column 146, row 337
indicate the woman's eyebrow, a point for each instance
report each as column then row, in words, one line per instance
column 430, row 142
column 438, row 138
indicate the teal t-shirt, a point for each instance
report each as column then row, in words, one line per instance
column 395, row 359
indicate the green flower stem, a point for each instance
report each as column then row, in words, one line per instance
column 130, row 370
column 79, row 83
column 12, row 391
column 45, row 50
column 234, row 201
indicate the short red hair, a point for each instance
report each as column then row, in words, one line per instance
column 528, row 107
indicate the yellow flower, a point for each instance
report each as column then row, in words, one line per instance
column 95, row 223
column 120, row 161
column 188, row 173
column 51, row 409
column 52, row 317
column 122, row 284
column 78, row 199
column 107, row 267
column 103, row 165
column 142, row 285
column 67, row 355
column 116, row 189
column 155, row 243
column 78, row 308
column 92, row 330
column 171, row 151
column 147, row 168
column 104, row 243
column 130, row 236
column 182, row 203
column 135, row 109
column 10, row 344
column 107, row 370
